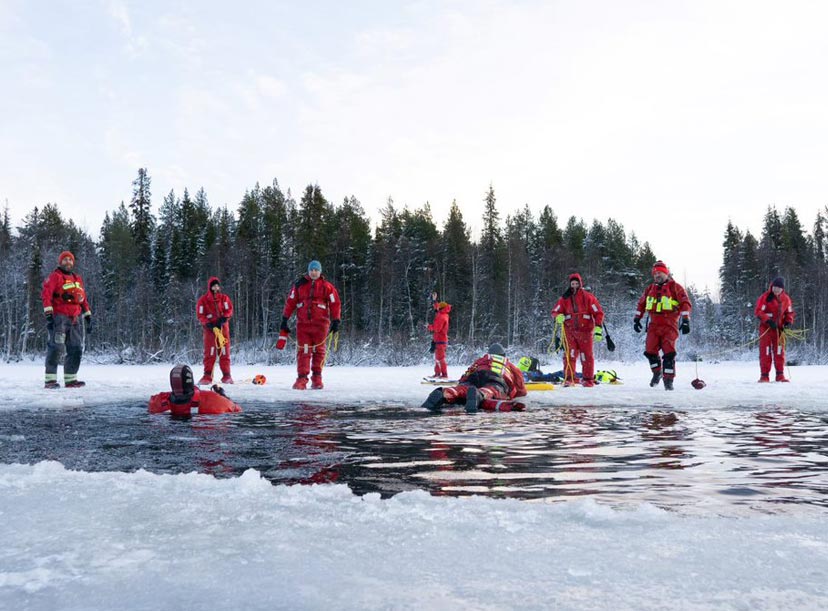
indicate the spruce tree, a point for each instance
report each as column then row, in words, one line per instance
column 142, row 223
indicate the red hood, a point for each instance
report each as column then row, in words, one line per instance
column 446, row 308
column 211, row 280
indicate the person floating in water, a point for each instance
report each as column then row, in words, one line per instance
column 185, row 397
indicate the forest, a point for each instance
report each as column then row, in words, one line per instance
column 145, row 270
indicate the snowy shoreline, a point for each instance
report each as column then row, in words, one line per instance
column 729, row 384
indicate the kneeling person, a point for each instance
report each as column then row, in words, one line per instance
column 491, row 377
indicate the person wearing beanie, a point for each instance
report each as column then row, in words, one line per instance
column 68, row 320
column 775, row 312
column 666, row 304
column 439, row 336
column 318, row 312
column 492, row 377
column 582, row 319
column 214, row 310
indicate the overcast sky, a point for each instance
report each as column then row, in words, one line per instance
column 670, row 117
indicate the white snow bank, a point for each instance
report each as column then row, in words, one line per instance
column 731, row 384
column 74, row 540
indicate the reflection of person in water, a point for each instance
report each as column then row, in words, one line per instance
column 185, row 397
column 663, row 427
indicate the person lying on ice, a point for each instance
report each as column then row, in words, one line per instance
column 185, row 397
column 490, row 377
column 530, row 366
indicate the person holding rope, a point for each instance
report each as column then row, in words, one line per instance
column 214, row 311
column 775, row 312
column 665, row 301
column 581, row 318
column 318, row 312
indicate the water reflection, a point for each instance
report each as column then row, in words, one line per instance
column 753, row 459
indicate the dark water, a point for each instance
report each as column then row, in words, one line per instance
column 767, row 459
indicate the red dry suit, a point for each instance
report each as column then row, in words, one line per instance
column 495, row 376
column 780, row 310
column 206, row 401
column 664, row 303
column 210, row 309
column 582, row 313
column 63, row 293
column 316, row 303
column 439, row 335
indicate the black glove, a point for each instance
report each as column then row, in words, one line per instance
column 335, row 325
column 772, row 324
column 221, row 321
column 87, row 321
column 786, row 325
column 684, row 327
column 637, row 324
column 211, row 325
column 50, row 322
column 283, row 326
column 433, row 348
column 557, row 344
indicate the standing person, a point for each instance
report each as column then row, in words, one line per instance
column 665, row 301
column 490, row 377
column 582, row 317
column 775, row 312
column 64, row 303
column 439, row 336
column 214, row 311
column 318, row 311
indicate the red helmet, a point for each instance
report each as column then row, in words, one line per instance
column 698, row 384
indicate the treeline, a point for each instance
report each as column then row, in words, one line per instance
column 146, row 270
column 785, row 249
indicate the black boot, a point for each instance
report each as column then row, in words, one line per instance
column 668, row 383
column 435, row 400
column 656, row 378
column 473, row 400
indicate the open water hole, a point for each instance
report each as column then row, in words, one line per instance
column 732, row 459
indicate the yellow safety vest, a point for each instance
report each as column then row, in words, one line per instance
column 664, row 304
column 498, row 363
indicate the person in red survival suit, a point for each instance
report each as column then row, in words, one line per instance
column 318, row 311
column 665, row 301
column 439, row 336
column 64, row 303
column 582, row 317
column 185, row 397
column 214, row 311
column 491, row 377
column 775, row 312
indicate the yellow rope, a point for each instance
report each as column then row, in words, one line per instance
column 330, row 338
column 569, row 369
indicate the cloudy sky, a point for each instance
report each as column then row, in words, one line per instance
column 670, row 117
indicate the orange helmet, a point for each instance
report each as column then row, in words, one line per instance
column 259, row 379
